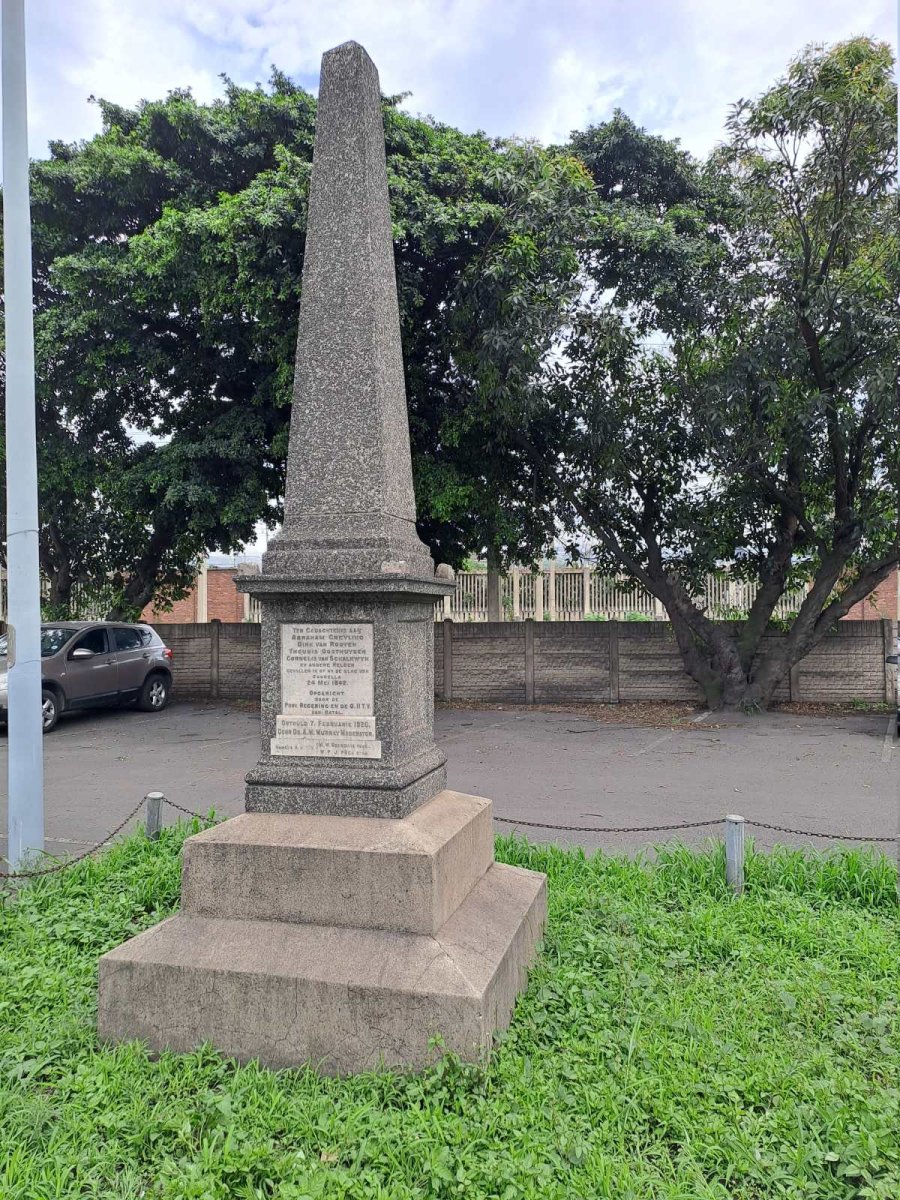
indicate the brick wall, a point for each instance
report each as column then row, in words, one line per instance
column 182, row 611
column 223, row 601
column 882, row 604
column 525, row 662
column 618, row 661
column 214, row 661
column 216, row 588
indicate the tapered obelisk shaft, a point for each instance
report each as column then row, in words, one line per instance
column 349, row 503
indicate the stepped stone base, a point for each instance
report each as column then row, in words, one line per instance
column 409, row 875
column 346, row 943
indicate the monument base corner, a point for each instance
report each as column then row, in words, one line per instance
column 361, row 944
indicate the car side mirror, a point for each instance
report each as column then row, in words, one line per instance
column 81, row 652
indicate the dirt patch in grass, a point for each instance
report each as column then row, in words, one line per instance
column 800, row 708
column 653, row 714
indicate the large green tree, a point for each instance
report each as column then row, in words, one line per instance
column 732, row 395
column 168, row 262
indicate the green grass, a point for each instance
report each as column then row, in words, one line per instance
column 674, row 1042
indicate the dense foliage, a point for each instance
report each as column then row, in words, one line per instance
column 736, row 401
column 673, row 1042
column 168, row 260
column 677, row 367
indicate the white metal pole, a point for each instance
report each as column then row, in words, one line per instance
column 734, row 853
column 26, row 763
column 154, row 814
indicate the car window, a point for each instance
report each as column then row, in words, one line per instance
column 53, row 639
column 127, row 639
column 146, row 637
column 94, row 640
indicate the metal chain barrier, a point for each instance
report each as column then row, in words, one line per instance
column 189, row 811
column 70, row 862
column 612, row 828
column 840, row 837
column 845, row 837
column 848, row 837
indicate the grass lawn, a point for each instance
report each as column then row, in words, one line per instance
column 674, row 1042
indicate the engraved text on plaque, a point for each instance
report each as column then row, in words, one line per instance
column 327, row 693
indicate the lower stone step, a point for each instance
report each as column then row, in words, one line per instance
column 342, row 999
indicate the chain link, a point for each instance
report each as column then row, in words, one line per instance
column 845, row 837
column 610, row 828
column 70, row 862
column 838, row 837
column 189, row 811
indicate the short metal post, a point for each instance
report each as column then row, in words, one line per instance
column 734, row 853
column 154, row 814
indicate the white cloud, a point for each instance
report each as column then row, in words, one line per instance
column 537, row 68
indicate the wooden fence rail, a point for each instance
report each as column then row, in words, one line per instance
column 549, row 594
column 581, row 593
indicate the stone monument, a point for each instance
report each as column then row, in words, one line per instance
column 353, row 913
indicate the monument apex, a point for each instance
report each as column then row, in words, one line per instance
column 349, row 508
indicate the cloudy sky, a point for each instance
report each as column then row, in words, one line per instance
column 536, row 68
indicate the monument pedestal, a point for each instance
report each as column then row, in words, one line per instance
column 349, row 943
column 363, row 648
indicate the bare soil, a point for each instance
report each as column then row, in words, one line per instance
column 662, row 714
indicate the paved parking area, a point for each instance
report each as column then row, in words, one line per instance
column 837, row 773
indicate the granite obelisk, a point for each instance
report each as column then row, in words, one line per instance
column 353, row 913
column 347, row 583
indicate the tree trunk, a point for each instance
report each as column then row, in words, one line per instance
column 58, row 604
column 56, row 567
column 493, row 585
column 140, row 583
column 733, row 667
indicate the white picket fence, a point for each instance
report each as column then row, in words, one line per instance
column 581, row 593
column 88, row 604
column 549, row 594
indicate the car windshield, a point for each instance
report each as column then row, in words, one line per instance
column 53, row 638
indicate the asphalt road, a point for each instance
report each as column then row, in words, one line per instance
column 838, row 774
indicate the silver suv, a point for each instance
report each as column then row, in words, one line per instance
column 895, row 659
column 97, row 664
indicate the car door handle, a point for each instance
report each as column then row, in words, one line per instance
column 145, row 655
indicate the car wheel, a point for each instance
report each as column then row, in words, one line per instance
column 154, row 694
column 49, row 710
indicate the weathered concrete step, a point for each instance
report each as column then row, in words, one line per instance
column 408, row 875
column 345, row 1000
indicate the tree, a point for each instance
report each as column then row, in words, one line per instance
column 168, row 260
column 738, row 401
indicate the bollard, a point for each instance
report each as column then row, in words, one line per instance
column 734, row 853
column 154, row 814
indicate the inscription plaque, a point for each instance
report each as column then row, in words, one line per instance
column 327, row 693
